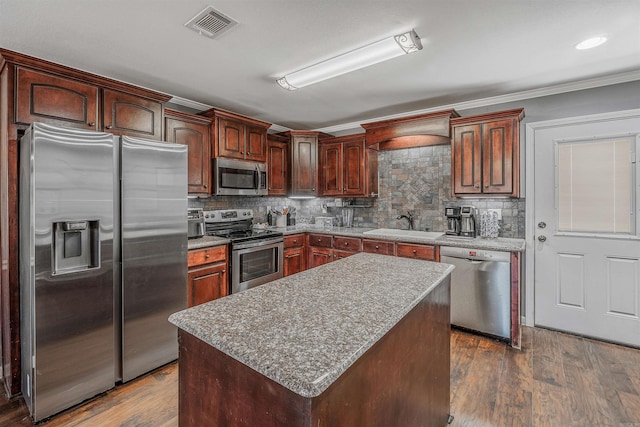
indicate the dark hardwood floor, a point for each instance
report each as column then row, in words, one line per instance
column 557, row 380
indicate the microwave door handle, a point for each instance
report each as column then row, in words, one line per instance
column 259, row 179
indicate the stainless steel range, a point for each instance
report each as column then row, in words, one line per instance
column 256, row 255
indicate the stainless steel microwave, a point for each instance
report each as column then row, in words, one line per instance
column 239, row 178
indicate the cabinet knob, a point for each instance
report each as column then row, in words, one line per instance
column 295, row 241
column 92, row 124
column 108, row 127
column 313, row 189
column 486, row 186
column 319, row 240
column 206, row 255
column 205, row 186
column 477, row 186
column 415, row 251
column 377, row 247
column 346, row 243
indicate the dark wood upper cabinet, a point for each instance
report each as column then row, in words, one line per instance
column 353, row 160
column 303, row 176
column 42, row 97
column 348, row 167
column 277, row 168
column 331, row 165
column 485, row 154
column 238, row 137
column 195, row 132
column 255, row 144
column 126, row 114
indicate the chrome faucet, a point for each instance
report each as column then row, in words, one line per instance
column 408, row 217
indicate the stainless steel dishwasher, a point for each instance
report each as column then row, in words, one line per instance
column 480, row 290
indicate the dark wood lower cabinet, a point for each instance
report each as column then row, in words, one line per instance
column 401, row 381
column 208, row 275
column 425, row 252
column 381, row 247
column 319, row 256
column 294, row 261
column 207, row 283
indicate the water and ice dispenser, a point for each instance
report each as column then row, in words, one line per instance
column 76, row 246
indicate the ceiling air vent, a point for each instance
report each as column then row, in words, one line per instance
column 210, row 23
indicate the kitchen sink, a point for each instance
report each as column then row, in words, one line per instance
column 392, row 232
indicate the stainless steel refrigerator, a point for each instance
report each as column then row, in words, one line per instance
column 103, row 247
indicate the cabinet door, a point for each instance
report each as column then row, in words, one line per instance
column 45, row 98
column 125, row 114
column 331, row 166
column 197, row 137
column 277, row 168
column 467, row 160
column 304, row 166
column 497, row 156
column 353, row 178
column 230, row 139
column 256, row 144
column 319, row 256
column 207, row 284
column 294, row 261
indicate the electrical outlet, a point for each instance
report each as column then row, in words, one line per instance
column 498, row 211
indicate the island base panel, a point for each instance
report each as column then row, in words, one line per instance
column 402, row 380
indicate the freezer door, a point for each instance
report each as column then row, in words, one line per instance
column 154, row 251
column 66, row 219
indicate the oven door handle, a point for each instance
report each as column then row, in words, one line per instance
column 256, row 243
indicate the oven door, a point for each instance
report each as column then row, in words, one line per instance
column 256, row 262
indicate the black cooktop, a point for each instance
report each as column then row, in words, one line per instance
column 245, row 235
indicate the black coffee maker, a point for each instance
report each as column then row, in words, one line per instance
column 453, row 220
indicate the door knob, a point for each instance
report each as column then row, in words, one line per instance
column 542, row 238
column 542, row 224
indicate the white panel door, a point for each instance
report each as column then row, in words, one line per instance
column 587, row 245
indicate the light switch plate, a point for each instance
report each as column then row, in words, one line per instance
column 498, row 211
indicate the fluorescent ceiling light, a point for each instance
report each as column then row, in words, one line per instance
column 590, row 43
column 373, row 53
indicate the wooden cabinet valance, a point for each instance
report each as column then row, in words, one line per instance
column 413, row 131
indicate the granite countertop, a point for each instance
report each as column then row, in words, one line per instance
column 500, row 244
column 305, row 330
column 205, row 242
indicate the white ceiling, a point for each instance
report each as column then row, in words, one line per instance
column 472, row 49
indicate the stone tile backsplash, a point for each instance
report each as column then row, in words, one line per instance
column 414, row 179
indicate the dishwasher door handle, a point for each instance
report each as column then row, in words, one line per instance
column 474, row 261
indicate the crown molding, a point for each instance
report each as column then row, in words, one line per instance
column 511, row 97
column 189, row 103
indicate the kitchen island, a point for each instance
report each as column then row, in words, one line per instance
column 344, row 344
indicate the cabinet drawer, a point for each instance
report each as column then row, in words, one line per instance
column 425, row 252
column 207, row 256
column 320, row 240
column 349, row 244
column 294, row 241
column 341, row 254
column 379, row 247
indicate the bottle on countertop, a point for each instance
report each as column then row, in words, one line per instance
column 269, row 216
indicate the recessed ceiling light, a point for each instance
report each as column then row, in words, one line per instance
column 592, row 42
